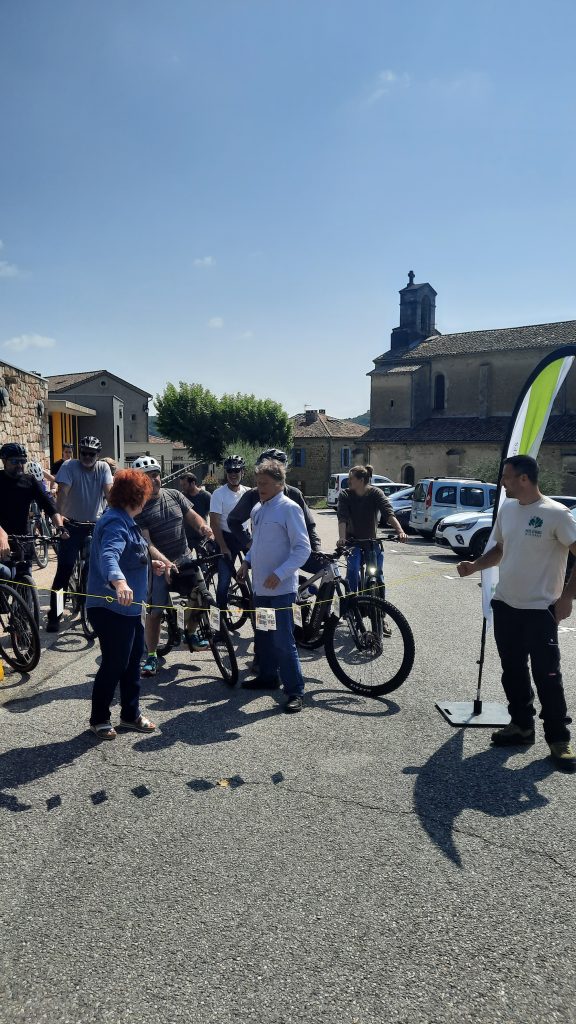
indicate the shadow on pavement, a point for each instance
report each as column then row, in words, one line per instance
column 447, row 784
column 27, row 764
column 345, row 703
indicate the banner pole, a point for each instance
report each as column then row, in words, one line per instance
column 478, row 701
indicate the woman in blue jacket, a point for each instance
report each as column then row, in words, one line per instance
column 117, row 585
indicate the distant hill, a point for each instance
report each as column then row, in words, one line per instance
column 363, row 420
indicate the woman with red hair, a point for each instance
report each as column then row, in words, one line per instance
column 117, row 586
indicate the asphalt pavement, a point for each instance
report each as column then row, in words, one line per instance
column 357, row 863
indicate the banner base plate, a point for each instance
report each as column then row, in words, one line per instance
column 461, row 713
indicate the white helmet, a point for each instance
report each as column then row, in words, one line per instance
column 146, row 464
column 35, row 469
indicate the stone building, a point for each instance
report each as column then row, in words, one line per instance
column 441, row 404
column 323, row 445
column 24, row 411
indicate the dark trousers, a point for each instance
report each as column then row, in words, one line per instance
column 523, row 634
column 122, row 644
column 276, row 649
column 225, row 566
column 68, row 551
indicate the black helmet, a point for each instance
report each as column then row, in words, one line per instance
column 13, row 450
column 93, row 443
column 234, row 462
column 273, row 453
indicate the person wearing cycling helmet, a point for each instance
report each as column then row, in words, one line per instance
column 223, row 500
column 41, row 475
column 18, row 491
column 163, row 523
column 83, row 486
column 249, row 499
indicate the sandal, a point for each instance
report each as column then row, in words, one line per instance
column 141, row 724
column 104, row 731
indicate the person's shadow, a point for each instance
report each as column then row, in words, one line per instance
column 446, row 785
column 27, row 764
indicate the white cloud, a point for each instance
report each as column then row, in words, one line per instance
column 215, row 323
column 204, row 261
column 23, row 341
column 386, row 82
column 8, row 269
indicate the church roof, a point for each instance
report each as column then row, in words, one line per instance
column 501, row 339
column 325, row 426
column 467, row 429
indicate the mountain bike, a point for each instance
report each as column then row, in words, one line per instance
column 189, row 584
column 367, row 659
column 19, row 636
column 19, row 563
column 43, row 534
column 78, row 585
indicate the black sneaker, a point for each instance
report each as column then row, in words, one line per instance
column 293, row 704
column 257, row 683
column 513, row 736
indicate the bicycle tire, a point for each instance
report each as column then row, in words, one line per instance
column 308, row 643
column 237, row 602
column 375, row 657
column 74, row 589
column 170, row 635
column 87, row 627
column 29, row 592
column 40, row 546
column 17, row 621
column 222, row 648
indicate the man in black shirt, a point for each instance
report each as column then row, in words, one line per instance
column 17, row 492
column 241, row 512
column 200, row 501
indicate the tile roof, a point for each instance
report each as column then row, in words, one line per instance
column 468, row 429
column 63, row 381
column 501, row 339
column 325, row 426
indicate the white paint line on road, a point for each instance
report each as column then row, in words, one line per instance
column 417, row 563
column 450, row 577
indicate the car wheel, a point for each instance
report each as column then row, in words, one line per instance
column 478, row 543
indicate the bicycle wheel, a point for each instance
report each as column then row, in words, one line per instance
column 29, row 593
column 170, row 634
column 74, row 589
column 221, row 647
column 236, row 605
column 366, row 658
column 302, row 634
column 20, row 639
column 87, row 627
column 40, row 545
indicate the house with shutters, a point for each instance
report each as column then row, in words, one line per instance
column 323, row 445
column 441, row 403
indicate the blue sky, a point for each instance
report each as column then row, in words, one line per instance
column 233, row 191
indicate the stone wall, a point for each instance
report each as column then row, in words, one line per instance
column 19, row 419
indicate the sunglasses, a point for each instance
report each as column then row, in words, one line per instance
column 88, row 453
column 17, row 462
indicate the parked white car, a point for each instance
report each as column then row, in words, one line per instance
column 340, row 480
column 435, row 498
column 467, row 534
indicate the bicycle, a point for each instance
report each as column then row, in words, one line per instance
column 78, row 585
column 19, row 563
column 19, row 638
column 43, row 535
column 362, row 656
column 189, row 584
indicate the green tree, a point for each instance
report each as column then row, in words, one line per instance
column 209, row 426
column 189, row 413
column 549, row 480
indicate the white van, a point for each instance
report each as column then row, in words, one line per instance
column 340, row 480
column 435, row 498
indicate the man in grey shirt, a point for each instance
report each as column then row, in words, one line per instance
column 83, row 486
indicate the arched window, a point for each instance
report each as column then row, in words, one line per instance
column 439, row 392
column 408, row 475
column 425, row 316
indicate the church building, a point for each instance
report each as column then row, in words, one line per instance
column 440, row 403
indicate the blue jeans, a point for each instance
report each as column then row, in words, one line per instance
column 122, row 644
column 225, row 566
column 353, row 566
column 276, row 649
column 68, row 551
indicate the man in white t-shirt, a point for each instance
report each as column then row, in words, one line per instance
column 533, row 536
column 223, row 500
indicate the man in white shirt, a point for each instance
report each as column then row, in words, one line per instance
column 533, row 536
column 223, row 500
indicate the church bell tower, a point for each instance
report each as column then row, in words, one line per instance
column 417, row 315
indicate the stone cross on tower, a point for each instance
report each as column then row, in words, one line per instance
column 411, row 276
